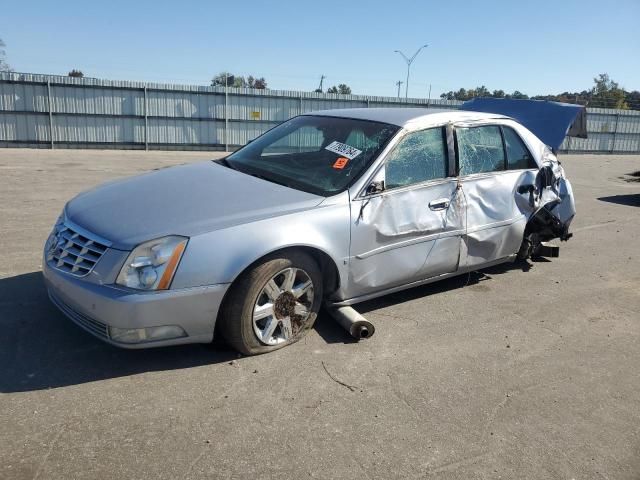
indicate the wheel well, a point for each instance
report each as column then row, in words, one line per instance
column 330, row 275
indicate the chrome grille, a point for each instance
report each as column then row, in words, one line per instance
column 99, row 329
column 74, row 251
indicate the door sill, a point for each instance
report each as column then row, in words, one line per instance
column 386, row 291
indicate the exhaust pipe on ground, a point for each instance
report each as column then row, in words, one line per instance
column 354, row 323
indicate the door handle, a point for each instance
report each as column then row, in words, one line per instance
column 440, row 204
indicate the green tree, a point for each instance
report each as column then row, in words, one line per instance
column 76, row 73
column 518, row 95
column 223, row 79
column 259, row 83
column 4, row 66
column 342, row 89
column 607, row 93
column 238, row 81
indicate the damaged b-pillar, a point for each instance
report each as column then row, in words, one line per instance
column 354, row 323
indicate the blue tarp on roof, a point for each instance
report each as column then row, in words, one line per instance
column 549, row 121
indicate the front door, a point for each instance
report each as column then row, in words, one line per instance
column 412, row 229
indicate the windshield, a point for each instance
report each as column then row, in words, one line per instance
column 320, row 155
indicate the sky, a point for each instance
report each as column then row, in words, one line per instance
column 536, row 47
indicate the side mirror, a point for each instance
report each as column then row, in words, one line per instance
column 375, row 187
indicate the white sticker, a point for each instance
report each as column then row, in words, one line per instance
column 343, row 149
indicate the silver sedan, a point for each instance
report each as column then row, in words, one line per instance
column 332, row 208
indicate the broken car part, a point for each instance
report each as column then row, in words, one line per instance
column 354, row 323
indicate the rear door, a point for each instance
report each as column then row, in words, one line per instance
column 492, row 162
column 412, row 229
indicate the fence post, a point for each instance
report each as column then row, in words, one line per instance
column 146, row 120
column 301, row 112
column 49, row 107
column 615, row 130
column 226, row 113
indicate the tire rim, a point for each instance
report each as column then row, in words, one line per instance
column 283, row 306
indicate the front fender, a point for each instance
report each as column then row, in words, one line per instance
column 220, row 256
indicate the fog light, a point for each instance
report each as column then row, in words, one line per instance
column 149, row 334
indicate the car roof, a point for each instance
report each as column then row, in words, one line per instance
column 408, row 117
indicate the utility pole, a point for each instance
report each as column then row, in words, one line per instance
column 409, row 62
column 429, row 97
column 398, row 83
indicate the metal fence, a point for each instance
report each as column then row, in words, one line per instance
column 63, row 112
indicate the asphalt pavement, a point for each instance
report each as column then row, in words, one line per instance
column 528, row 370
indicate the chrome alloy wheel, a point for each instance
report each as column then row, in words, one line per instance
column 283, row 306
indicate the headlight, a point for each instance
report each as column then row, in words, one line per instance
column 151, row 265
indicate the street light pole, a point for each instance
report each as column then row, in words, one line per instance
column 409, row 62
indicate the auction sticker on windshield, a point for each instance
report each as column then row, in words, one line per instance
column 343, row 149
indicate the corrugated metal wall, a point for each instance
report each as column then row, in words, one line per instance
column 88, row 113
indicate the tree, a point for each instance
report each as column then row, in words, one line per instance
column 226, row 79
column 258, row 83
column 4, row 66
column 342, row 89
column 518, row 95
column 607, row 93
column 238, row 81
column 76, row 73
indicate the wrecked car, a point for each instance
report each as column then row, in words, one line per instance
column 328, row 208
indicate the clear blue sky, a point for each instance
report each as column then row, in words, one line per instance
column 536, row 47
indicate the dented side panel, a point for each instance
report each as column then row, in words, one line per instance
column 496, row 218
column 397, row 237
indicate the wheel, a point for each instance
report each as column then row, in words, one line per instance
column 272, row 305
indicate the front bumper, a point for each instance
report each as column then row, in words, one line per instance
column 96, row 307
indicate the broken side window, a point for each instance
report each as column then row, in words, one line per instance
column 480, row 149
column 419, row 157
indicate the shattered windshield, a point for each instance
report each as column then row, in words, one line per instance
column 316, row 154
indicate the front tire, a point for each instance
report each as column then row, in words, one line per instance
column 273, row 304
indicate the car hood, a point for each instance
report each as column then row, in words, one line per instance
column 184, row 200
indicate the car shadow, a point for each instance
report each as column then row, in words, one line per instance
column 630, row 200
column 331, row 332
column 40, row 348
